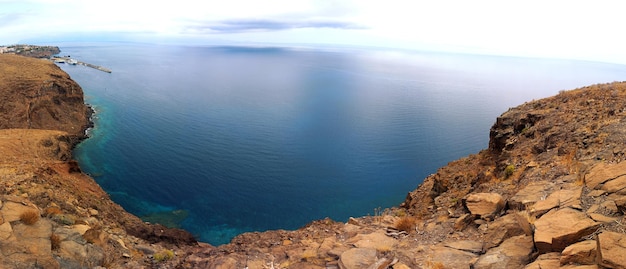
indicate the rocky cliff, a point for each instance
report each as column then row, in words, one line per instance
column 36, row 96
column 549, row 192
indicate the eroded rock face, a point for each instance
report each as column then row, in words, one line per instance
column 36, row 94
column 452, row 258
column 357, row 258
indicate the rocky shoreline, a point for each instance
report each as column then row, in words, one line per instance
column 549, row 192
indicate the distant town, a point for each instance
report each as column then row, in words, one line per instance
column 46, row 52
column 31, row 50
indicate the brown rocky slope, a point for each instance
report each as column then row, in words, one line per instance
column 549, row 192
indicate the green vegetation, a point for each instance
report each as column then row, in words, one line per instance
column 509, row 170
column 163, row 255
column 64, row 219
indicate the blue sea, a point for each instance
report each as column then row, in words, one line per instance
column 224, row 140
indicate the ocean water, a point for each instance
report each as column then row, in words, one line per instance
column 225, row 140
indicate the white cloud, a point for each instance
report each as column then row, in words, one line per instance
column 559, row 28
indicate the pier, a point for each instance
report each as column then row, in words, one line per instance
column 69, row 60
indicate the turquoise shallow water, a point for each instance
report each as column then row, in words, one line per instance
column 224, row 140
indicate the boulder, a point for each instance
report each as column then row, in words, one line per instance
column 400, row 265
column 546, row 261
column 617, row 185
column 558, row 229
column 466, row 245
column 11, row 211
column 376, row 240
column 601, row 218
column 512, row 253
column 305, row 265
column 506, row 227
column 620, row 202
column 596, row 193
column 224, row 263
column 611, row 247
column 609, row 207
column 576, row 266
column 463, row 221
column 558, row 199
column 533, row 192
column 604, row 172
column 73, row 254
column 445, row 257
column 5, row 231
column 327, row 245
column 28, row 246
column 357, row 258
column 580, row 253
column 35, row 236
column 486, row 205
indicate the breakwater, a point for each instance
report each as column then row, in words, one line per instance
column 69, row 60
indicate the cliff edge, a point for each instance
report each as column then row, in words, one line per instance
column 549, row 192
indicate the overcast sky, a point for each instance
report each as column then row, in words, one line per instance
column 591, row 30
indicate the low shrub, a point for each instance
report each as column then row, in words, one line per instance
column 29, row 217
column 55, row 242
column 509, row 170
column 51, row 211
column 163, row 255
column 406, row 223
column 64, row 219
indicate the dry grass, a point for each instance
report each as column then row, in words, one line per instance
column 434, row 265
column 406, row 223
column 55, row 242
column 51, row 211
column 527, row 216
column 29, row 217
